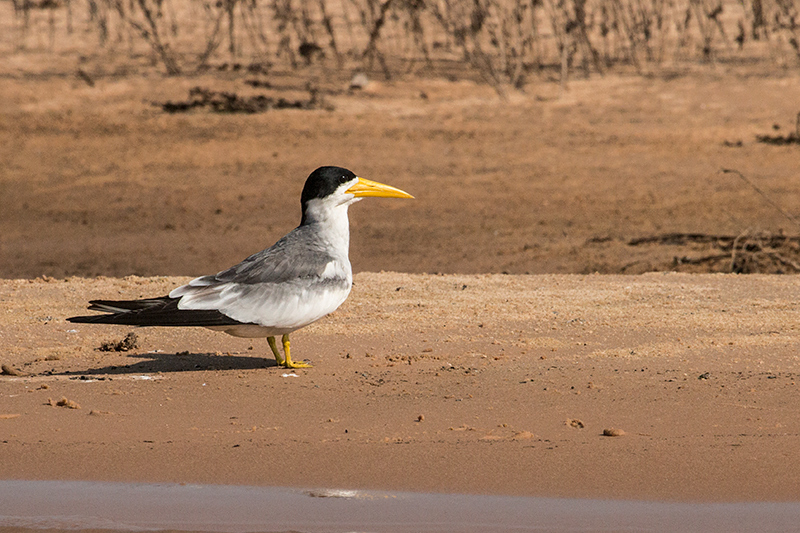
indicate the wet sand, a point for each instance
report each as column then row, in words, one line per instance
column 484, row 384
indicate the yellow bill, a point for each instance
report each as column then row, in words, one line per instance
column 366, row 187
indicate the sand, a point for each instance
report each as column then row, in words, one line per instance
column 99, row 181
column 657, row 386
column 549, row 380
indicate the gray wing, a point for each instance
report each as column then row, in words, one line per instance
column 299, row 254
column 269, row 287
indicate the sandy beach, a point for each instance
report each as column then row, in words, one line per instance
column 592, row 295
column 658, row 386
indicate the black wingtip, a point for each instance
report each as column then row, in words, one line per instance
column 91, row 319
column 151, row 312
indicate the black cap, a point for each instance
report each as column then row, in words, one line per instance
column 323, row 182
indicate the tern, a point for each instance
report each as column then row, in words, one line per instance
column 303, row 277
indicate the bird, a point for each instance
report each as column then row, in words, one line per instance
column 303, row 277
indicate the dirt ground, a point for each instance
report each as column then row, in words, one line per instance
column 473, row 384
column 97, row 180
column 470, row 381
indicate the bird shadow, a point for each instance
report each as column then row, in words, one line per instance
column 177, row 362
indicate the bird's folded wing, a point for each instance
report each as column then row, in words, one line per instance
column 299, row 254
column 152, row 312
column 291, row 283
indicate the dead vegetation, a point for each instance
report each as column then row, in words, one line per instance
column 747, row 253
column 502, row 41
column 228, row 102
column 780, row 140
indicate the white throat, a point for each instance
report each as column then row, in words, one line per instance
column 331, row 221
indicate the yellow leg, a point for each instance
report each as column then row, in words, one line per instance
column 288, row 363
column 274, row 346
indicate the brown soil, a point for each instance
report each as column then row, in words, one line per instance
column 483, row 384
column 663, row 386
column 101, row 181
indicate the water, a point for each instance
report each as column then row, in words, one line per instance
column 72, row 505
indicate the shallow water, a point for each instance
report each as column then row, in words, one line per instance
column 226, row 508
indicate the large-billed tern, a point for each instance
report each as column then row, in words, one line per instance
column 298, row 280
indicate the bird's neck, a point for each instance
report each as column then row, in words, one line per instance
column 332, row 226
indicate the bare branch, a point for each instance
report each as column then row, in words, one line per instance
column 769, row 200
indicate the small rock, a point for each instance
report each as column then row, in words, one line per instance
column 575, row 423
column 612, row 432
column 359, row 81
column 64, row 402
column 522, row 435
column 130, row 342
column 8, row 370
